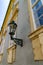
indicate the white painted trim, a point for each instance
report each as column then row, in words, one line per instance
column 33, row 16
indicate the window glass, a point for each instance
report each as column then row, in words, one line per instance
column 38, row 10
column 37, row 6
column 41, row 20
column 33, row 1
column 38, row 13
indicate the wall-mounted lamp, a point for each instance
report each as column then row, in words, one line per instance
column 13, row 27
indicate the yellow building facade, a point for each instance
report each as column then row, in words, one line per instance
column 11, row 15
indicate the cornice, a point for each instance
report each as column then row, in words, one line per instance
column 36, row 32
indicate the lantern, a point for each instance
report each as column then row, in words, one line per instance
column 13, row 27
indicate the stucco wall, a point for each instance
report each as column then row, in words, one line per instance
column 24, row 55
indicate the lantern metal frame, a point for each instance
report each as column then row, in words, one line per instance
column 13, row 27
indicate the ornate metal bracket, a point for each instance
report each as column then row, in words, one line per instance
column 17, row 41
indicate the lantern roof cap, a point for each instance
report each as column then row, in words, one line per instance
column 13, row 22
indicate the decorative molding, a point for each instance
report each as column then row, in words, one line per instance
column 37, row 43
column 16, row 3
column 1, row 55
column 11, row 54
column 36, row 32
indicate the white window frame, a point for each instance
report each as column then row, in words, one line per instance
column 35, row 3
column 32, row 6
column 33, row 16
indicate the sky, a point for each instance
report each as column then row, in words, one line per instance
column 3, row 8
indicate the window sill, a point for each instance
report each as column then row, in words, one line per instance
column 36, row 32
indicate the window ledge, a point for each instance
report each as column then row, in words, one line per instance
column 36, row 32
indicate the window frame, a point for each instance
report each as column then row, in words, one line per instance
column 32, row 6
column 35, row 3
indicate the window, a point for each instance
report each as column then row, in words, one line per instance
column 38, row 13
column 33, row 1
column 41, row 20
column 38, row 4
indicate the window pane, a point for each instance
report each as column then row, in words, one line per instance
column 33, row 1
column 38, row 14
column 41, row 20
column 37, row 6
column 40, row 11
